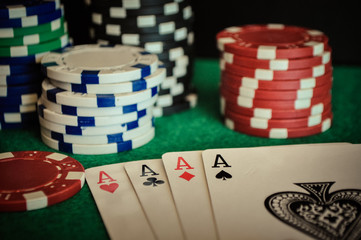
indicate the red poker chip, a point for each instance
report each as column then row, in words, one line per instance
column 265, row 74
column 31, row 180
column 272, row 104
column 268, row 113
column 279, row 95
column 280, row 133
column 305, row 83
column 272, row 41
column 261, row 123
column 278, row 64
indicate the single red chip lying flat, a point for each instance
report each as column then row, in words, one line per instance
column 31, row 180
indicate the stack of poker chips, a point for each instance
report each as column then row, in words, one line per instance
column 276, row 80
column 162, row 27
column 99, row 99
column 28, row 29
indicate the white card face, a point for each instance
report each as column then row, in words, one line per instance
column 286, row 192
column 117, row 202
column 151, row 185
column 190, row 192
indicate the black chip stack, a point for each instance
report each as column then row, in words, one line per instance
column 162, row 27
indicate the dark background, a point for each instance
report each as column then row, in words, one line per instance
column 339, row 20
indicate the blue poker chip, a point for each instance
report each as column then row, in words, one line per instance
column 17, row 90
column 91, row 131
column 17, row 125
column 18, row 108
column 19, row 8
column 25, row 78
column 17, row 117
column 23, row 99
column 33, row 20
column 99, row 148
column 12, row 69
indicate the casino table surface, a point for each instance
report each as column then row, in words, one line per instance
column 197, row 129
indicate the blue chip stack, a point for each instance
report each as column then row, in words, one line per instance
column 162, row 27
column 28, row 29
column 99, row 99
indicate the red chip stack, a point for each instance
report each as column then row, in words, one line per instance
column 276, row 80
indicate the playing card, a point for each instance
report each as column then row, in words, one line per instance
column 293, row 192
column 117, row 202
column 190, row 192
column 151, row 185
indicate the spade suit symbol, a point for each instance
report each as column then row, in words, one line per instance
column 223, row 175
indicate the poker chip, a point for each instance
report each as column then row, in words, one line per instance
column 28, row 31
column 304, row 83
column 278, row 64
column 17, row 117
column 99, row 99
column 89, row 131
column 279, row 95
column 33, row 20
column 94, row 112
column 276, row 80
column 136, row 39
column 34, row 38
column 164, row 28
column 43, row 179
column 18, row 9
column 282, row 42
column 280, row 133
column 261, row 123
column 18, row 108
column 25, row 78
column 61, row 96
column 167, row 9
column 13, row 69
column 265, row 74
column 127, row 4
column 22, row 99
column 269, row 113
column 147, row 82
column 189, row 102
column 8, row 91
column 93, row 149
column 94, row 64
column 99, row 139
column 82, row 121
column 24, row 31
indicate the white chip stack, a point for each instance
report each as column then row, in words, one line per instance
column 99, row 99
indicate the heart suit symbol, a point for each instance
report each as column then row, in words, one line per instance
column 109, row 187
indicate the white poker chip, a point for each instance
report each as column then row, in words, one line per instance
column 63, row 97
column 150, row 81
column 98, row 64
column 91, row 131
column 89, row 121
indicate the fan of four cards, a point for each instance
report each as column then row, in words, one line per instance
column 293, row 192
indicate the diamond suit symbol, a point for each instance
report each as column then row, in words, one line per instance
column 187, row 176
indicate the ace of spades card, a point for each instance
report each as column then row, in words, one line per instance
column 298, row 192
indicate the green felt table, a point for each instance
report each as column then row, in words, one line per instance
column 197, row 129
